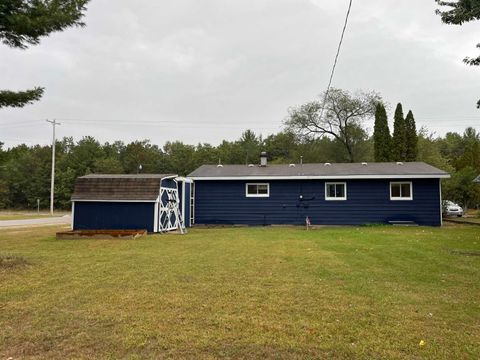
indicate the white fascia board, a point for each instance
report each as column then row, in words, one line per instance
column 184, row 179
column 155, row 218
column 118, row 201
column 73, row 214
column 330, row 177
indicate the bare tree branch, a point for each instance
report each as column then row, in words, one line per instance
column 343, row 117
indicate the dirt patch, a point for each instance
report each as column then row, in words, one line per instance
column 101, row 234
column 465, row 253
column 12, row 262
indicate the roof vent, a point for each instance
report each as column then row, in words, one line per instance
column 251, row 165
column 291, row 165
column 219, row 166
column 364, row 164
column 399, row 163
column 327, row 164
column 263, row 159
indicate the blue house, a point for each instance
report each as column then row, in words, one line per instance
column 119, row 202
column 326, row 194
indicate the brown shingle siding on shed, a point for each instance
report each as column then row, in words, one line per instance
column 118, row 187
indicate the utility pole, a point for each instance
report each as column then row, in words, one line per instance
column 52, row 183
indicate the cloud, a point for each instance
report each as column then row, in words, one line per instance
column 202, row 71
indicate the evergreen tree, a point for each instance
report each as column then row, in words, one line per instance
column 457, row 13
column 412, row 137
column 399, row 149
column 24, row 22
column 381, row 135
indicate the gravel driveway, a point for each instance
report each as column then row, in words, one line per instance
column 66, row 219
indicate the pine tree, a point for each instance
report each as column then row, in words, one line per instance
column 381, row 135
column 24, row 23
column 399, row 149
column 412, row 138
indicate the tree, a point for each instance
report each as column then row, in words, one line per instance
column 179, row 157
column 108, row 165
column 251, row 145
column 460, row 12
column 451, row 146
column 281, row 146
column 24, row 22
column 381, row 135
column 339, row 115
column 461, row 188
column 205, row 154
column 411, row 138
column 142, row 153
column 429, row 151
column 399, row 141
column 470, row 156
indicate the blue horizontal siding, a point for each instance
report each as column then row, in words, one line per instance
column 113, row 216
column 368, row 202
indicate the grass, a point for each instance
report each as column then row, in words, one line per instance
column 12, row 261
column 333, row 293
column 472, row 216
column 25, row 215
column 465, row 219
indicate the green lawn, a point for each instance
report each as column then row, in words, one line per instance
column 465, row 220
column 332, row 293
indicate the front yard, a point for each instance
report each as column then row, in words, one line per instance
column 333, row 293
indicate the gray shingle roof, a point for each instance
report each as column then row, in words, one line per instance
column 347, row 170
column 143, row 187
column 477, row 179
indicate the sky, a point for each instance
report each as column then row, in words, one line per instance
column 204, row 71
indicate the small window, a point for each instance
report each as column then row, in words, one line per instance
column 335, row 191
column 401, row 191
column 258, row 190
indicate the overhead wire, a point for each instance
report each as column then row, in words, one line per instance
column 336, row 56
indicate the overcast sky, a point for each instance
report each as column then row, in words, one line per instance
column 205, row 70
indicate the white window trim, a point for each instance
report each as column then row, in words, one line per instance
column 328, row 198
column 401, row 198
column 257, row 195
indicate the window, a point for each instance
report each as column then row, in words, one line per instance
column 335, row 191
column 257, row 190
column 401, row 191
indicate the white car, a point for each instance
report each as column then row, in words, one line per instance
column 452, row 209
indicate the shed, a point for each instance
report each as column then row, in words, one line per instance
column 121, row 202
column 325, row 194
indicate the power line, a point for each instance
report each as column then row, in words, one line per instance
column 19, row 124
column 191, row 124
column 336, row 56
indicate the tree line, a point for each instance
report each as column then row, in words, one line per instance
column 25, row 170
column 329, row 129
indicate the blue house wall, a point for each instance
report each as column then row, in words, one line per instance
column 113, row 215
column 368, row 202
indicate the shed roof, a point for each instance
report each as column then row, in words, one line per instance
column 319, row 171
column 477, row 179
column 142, row 187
